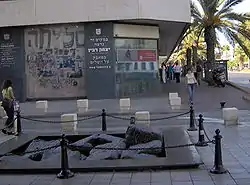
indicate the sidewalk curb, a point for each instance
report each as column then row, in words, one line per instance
column 243, row 89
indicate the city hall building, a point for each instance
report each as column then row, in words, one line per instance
column 99, row 49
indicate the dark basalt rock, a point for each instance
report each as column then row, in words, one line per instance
column 146, row 148
column 136, row 134
column 102, row 154
column 85, row 145
column 71, row 155
column 40, row 144
column 82, row 146
column 96, row 139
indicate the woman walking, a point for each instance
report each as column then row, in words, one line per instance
column 191, row 83
column 8, row 105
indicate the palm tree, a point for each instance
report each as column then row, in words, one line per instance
column 213, row 16
column 190, row 41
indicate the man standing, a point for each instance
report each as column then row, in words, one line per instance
column 177, row 71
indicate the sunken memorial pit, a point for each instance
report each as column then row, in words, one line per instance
column 138, row 148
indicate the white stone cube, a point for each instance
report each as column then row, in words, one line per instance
column 230, row 116
column 175, row 103
column 125, row 104
column 42, row 105
column 173, row 95
column 83, row 105
column 69, row 122
column 2, row 112
column 142, row 117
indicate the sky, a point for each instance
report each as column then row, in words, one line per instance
column 241, row 8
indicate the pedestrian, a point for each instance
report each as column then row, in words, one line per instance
column 170, row 71
column 163, row 66
column 194, row 70
column 191, row 83
column 199, row 73
column 8, row 105
column 177, row 72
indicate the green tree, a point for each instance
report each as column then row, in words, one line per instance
column 190, row 41
column 211, row 16
column 239, row 56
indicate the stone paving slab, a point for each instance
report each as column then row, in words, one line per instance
column 4, row 138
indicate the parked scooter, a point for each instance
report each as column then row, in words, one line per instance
column 219, row 76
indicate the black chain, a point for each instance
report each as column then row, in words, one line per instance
column 152, row 119
column 44, row 121
column 33, row 151
column 72, row 147
column 7, row 126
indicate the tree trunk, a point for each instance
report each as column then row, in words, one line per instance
column 210, row 38
column 195, row 54
column 189, row 56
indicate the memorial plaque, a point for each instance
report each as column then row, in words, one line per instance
column 8, row 51
column 12, row 59
column 99, row 53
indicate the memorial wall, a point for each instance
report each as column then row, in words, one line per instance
column 76, row 61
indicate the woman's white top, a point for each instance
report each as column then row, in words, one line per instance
column 191, row 78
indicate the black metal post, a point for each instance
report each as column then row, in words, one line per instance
column 104, row 123
column 201, row 141
column 18, row 121
column 218, row 164
column 65, row 171
column 132, row 120
column 222, row 104
column 192, row 117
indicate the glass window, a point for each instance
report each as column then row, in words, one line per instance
column 136, row 43
column 119, row 67
column 127, row 66
column 135, row 66
column 143, row 66
column 152, row 66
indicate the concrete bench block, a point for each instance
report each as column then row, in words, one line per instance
column 69, row 122
column 230, row 116
column 2, row 112
column 83, row 105
column 175, row 103
column 173, row 95
column 42, row 105
column 125, row 104
column 143, row 117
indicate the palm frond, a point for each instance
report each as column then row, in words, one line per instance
column 228, row 37
column 195, row 13
column 239, row 41
column 232, row 16
column 213, row 6
column 228, row 5
column 245, row 33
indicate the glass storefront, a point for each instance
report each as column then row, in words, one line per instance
column 55, row 61
column 136, row 66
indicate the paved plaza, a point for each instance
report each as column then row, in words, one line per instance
column 236, row 144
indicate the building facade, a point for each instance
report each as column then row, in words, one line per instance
column 81, row 48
